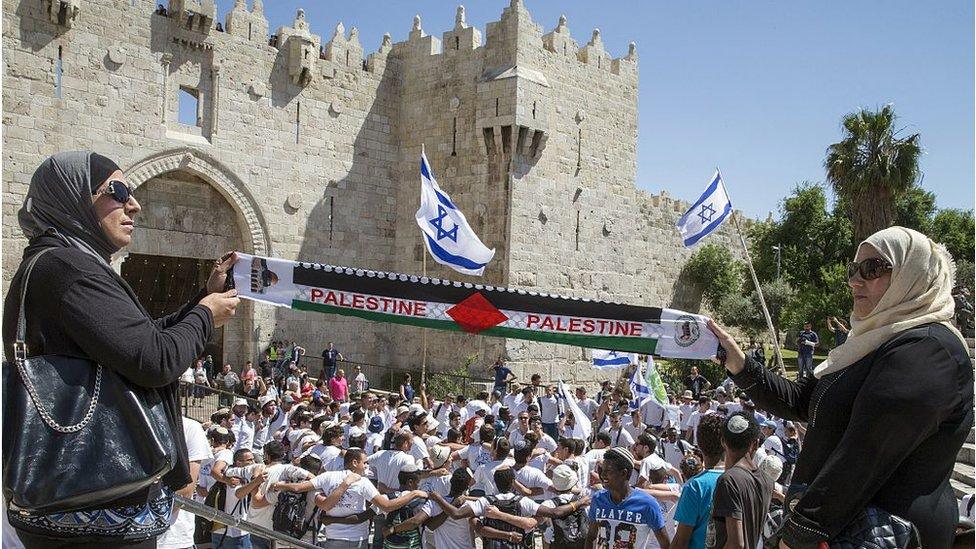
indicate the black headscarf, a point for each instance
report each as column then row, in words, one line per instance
column 60, row 199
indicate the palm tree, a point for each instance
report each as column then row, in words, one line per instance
column 871, row 167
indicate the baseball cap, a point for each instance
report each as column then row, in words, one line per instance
column 287, row 399
column 376, row 424
column 264, row 400
column 720, row 390
column 439, row 455
column 687, row 394
column 402, row 410
column 770, row 424
column 239, row 402
column 564, row 478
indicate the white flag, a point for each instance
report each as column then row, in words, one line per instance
column 711, row 209
column 447, row 235
column 581, row 424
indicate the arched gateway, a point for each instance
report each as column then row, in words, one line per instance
column 194, row 209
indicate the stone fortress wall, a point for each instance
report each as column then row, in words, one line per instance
column 309, row 149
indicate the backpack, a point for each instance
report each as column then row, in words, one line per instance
column 216, row 498
column 570, row 531
column 402, row 515
column 289, row 514
column 791, row 451
column 512, row 507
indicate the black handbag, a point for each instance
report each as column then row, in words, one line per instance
column 872, row 528
column 77, row 435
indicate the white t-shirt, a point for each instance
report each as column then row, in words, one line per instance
column 182, row 525
column 693, row 422
column 484, row 475
column 686, row 411
column 374, row 442
column 326, row 454
column 188, row 378
column 545, row 441
column 233, row 505
column 530, row 477
column 353, row 501
column 452, row 534
column 437, row 484
column 628, row 424
column 388, row 470
column 667, row 508
column 588, row 406
column 548, row 408
column 279, row 472
column 243, row 433
column 476, row 454
column 360, row 382
column 516, row 436
column 648, row 464
column 418, row 449
column 673, row 452
column 620, row 438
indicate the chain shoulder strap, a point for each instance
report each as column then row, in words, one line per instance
column 20, row 360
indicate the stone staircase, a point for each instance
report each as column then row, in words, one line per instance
column 964, row 473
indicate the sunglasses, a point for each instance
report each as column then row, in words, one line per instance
column 119, row 191
column 869, row 269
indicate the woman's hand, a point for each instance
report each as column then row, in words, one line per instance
column 736, row 359
column 222, row 306
column 218, row 276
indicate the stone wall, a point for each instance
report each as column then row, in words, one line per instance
column 311, row 152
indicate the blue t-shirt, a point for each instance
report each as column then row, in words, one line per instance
column 695, row 505
column 501, row 374
column 807, row 335
column 627, row 525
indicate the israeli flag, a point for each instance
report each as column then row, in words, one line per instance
column 612, row 359
column 706, row 214
column 447, row 235
column 638, row 386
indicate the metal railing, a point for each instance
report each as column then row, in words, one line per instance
column 199, row 402
column 210, row 513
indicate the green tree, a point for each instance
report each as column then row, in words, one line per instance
column 954, row 228
column 871, row 167
column 915, row 208
column 716, row 272
column 964, row 274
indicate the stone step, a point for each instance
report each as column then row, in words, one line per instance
column 966, row 454
column 961, row 488
column 964, row 473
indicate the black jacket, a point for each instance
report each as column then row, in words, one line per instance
column 884, row 431
column 76, row 306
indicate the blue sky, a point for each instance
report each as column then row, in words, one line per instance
column 757, row 88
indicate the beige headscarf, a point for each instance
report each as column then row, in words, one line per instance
column 922, row 277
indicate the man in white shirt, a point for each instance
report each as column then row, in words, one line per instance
column 687, row 407
column 387, row 470
column 549, row 410
column 354, row 502
column 484, row 475
column 633, row 423
column 672, row 448
column 360, row 382
column 704, row 407
column 619, row 437
column 522, row 428
column 242, row 428
column 585, row 403
column 182, row 523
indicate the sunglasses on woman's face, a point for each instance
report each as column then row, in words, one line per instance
column 118, row 190
column 869, row 269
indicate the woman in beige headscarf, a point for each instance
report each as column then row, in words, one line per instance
column 889, row 409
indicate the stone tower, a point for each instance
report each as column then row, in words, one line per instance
column 305, row 149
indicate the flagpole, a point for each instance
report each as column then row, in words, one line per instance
column 762, row 300
column 423, row 253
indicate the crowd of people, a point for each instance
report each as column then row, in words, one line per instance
column 423, row 470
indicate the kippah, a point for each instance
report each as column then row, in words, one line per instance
column 737, row 424
column 622, row 452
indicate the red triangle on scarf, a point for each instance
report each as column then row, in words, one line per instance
column 475, row 314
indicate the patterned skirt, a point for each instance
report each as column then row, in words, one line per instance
column 133, row 522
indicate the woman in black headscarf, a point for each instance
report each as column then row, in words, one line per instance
column 79, row 204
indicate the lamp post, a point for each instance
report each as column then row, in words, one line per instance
column 778, row 251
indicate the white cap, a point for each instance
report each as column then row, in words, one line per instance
column 356, row 432
column 439, row 455
column 416, row 408
column 410, row 467
column 240, row 402
column 402, row 410
column 264, row 400
column 564, row 478
column 431, row 423
column 656, row 462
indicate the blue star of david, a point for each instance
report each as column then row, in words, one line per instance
column 706, row 214
column 438, row 223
